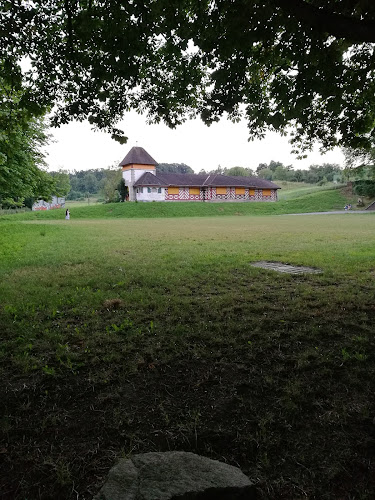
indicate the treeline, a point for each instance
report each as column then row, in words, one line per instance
column 277, row 171
column 107, row 182
column 84, row 183
column 315, row 174
column 174, row 168
column 104, row 183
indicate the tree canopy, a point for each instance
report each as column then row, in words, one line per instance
column 174, row 168
column 61, row 183
column 22, row 137
column 300, row 66
column 239, row 171
column 315, row 174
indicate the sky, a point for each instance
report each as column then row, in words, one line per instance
column 77, row 147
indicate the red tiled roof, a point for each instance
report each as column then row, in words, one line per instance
column 139, row 156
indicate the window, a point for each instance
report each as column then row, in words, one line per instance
column 221, row 190
column 240, row 190
column 194, row 190
column 159, row 190
column 149, row 190
column 140, row 190
column 173, row 190
column 266, row 192
column 154, row 190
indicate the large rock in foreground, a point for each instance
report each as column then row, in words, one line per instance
column 175, row 475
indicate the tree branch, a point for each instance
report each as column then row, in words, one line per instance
column 324, row 21
column 70, row 28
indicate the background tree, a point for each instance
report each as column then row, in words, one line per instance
column 265, row 173
column 240, row 171
column 110, row 185
column 260, row 167
column 364, row 187
column 305, row 66
column 85, row 182
column 280, row 173
column 90, row 183
column 316, row 173
column 176, row 168
column 273, row 165
column 328, row 172
column 61, row 183
column 22, row 138
column 123, row 190
column 360, row 163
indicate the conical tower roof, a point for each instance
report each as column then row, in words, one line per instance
column 139, row 156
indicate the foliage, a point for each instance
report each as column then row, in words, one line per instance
column 62, row 183
column 90, row 183
column 317, row 173
column 86, row 182
column 266, row 173
column 22, row 137
column 175, row 168
column 110, row 186
column 232, row 171
column 275, row 170
column 360, row 163
column 306, row 66
column 273, row 165
column 83, row 180
column 328, row 172
column 358, row 157
column 74, row 195
column 123, row 190
column 239, row 171
column 365, row 188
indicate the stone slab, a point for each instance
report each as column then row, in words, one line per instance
column 175, row 475
column 285, row 268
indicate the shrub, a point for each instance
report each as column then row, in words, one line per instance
column 73, row 195
column 364, row 188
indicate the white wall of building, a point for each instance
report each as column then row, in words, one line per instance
column 131, row 176
column 156, row 194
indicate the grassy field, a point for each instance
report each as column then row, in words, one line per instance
column 93, row 200
column 291, row 190
column 317, row 201
column 123, row 336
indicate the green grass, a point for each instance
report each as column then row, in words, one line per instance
column 83, row 202
column 292, row 190
column 319, row 201
column 122, row 336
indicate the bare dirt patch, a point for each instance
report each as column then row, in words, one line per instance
column 285, row 268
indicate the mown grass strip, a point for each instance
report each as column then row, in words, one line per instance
column 314, row 202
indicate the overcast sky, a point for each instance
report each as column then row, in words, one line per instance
column 77, row 147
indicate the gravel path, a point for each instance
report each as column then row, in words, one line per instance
column 335, row 213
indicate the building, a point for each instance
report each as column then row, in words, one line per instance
column 144, row 183
column 56, row 202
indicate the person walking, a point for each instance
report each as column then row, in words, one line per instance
column 67, row 214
